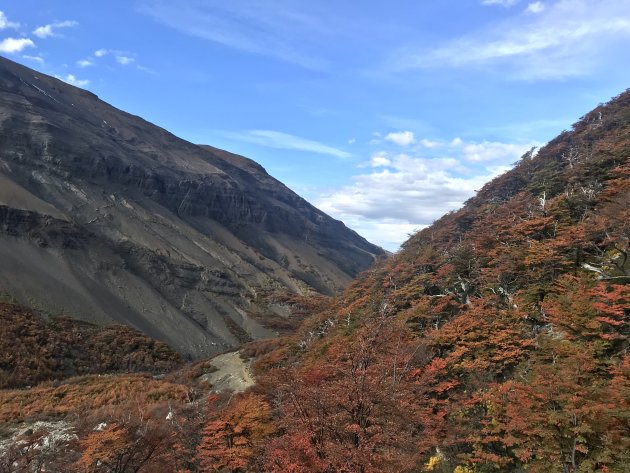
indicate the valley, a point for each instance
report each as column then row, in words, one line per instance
column 168, row 307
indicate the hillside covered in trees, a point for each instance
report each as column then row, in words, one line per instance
column 496, row 340
column 36, row 349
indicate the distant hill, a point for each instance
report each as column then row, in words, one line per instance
column 108, row 218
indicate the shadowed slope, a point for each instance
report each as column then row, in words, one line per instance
column 111, row 218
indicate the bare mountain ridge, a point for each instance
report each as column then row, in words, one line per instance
column 112, row 219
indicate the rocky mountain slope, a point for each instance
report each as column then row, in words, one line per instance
column 112, row 219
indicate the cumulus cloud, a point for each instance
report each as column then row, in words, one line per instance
column 379, row 159
column 280, row 140
column 124, row 60
column 47, row 31
column 404, row 192
column 5, row 23
column 73, row 80
column 85, row 62
column 401, row 192
column 535, row 7
column 429, row 143
column 15, row 45
column 563, row 39
column 401, row 138
column 388, row 233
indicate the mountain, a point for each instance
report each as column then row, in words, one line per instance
column 109, row 218
column 495, row 340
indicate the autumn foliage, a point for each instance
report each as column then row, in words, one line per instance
column 496, row 340
column 234, row 432
column 34, row 349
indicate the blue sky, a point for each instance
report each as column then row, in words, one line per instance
column 383, row 114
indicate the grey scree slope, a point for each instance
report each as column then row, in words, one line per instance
column 109, row 218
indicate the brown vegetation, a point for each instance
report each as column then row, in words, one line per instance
column 33, row 349
column 496, row 340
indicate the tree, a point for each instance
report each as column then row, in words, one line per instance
column 347, row 413
column 566, row 409
column 137, row 441
column 232, row 433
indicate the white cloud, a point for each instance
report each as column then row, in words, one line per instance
column 15, row 45
column 388, row 233
column 43, row 31
column 49, row 30
column 73, row 80
column 124, row 60
column 256, row 27
column 38, row 59
column 402, row 192
column 85, row 62
column 535, row 7
column 352, row 141
column 473, row 152
column 5, row 23
column 429, row 144
column 280, row 140
column 401, row 138
column 492, row 150
column 380, row 159
column 409, row 192
column 564, row 39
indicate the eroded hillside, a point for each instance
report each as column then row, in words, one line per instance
column 111, row 219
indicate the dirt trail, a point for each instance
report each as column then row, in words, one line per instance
column 233, row 374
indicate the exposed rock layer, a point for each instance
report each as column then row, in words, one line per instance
column 110, row 218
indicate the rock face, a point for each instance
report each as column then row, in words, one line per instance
column 112, row 219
